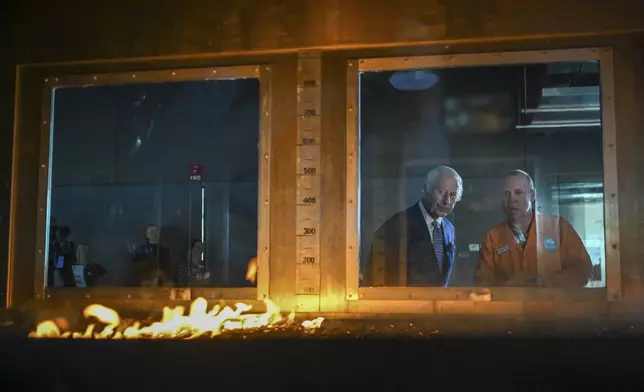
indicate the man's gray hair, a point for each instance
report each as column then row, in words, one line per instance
column 521, row 173
column 437, row 172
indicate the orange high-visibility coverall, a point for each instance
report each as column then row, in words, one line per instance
column 562, row 258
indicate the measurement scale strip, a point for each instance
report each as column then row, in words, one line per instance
column 308, row 182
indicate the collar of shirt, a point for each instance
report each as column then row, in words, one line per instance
column 429, row 220
column 519, row 236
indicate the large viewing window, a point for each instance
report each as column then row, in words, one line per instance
column 154, row 179
column 489, row 171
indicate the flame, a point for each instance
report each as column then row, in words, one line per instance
column 251, row 270
column 175, row 325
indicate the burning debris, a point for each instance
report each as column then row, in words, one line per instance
column 199, row 323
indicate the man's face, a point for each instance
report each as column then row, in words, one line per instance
column 441, row 198
column 198, row 247
column 152, row 233
column 517, row 197
column 61, row 236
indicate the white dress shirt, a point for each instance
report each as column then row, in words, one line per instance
column 429, row 220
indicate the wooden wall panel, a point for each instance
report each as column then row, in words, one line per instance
column 24, row 186
column 629, row 95
column 133, row 29
column 332, row 238
column 284, row 129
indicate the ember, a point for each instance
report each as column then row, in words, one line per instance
column 251, row 270
column 175, row 325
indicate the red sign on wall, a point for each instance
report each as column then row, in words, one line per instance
column 196, row 172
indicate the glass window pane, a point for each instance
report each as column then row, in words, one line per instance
column 154, row 184
column 489, row 176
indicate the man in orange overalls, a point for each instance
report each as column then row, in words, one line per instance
column 531, row 249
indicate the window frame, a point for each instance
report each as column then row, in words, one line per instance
column 373, row 295
column 51, row 83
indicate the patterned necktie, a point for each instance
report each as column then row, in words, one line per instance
column 439, row 243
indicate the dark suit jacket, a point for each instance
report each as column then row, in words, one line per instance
column 153, row 260
column 402, row 247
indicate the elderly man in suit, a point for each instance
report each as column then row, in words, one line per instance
column 415, row 247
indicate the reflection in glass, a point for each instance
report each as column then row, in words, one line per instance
column 159, row 181
column 483, row 123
